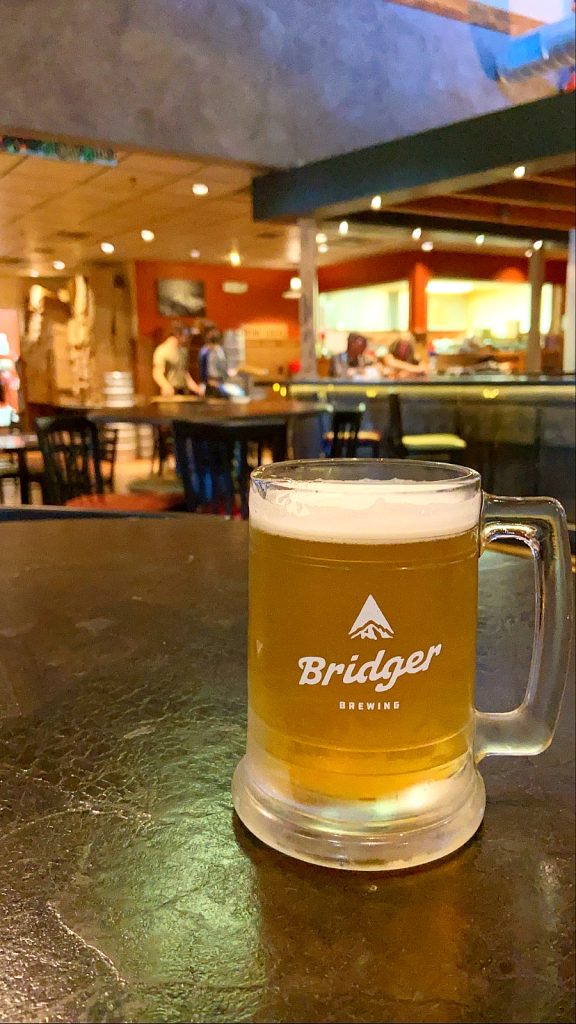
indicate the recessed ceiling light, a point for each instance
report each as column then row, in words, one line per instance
column 199, row 189
column 376, row 202
column 235, row 258
column 528, row 253
column 295, row 284
column 416, row 234
column 427, row 246
column 520, row 171
column 107, row 247
column 146, row 235
column 34, row 273
column 323, row 247
column 538, row 244
column 343, row 227
column 321, row 238
column 59, row 265
column 194, row 253
column 480, row 239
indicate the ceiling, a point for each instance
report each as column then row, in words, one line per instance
column 52, row 210
column 538, row 200
column 539, row 204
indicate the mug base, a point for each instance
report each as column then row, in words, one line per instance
column 364, row 835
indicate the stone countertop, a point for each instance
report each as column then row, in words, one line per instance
column 129, row 890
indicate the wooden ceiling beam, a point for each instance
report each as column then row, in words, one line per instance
column 458, row 207
column 565, row 176
column 526, row 193
column 403, row 218
column 474, row 13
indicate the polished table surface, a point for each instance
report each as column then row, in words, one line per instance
column 211, row 410
column 130, row 892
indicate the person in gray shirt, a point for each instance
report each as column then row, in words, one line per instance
column 170, row 366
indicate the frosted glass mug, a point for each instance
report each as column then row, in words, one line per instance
column 363, row 738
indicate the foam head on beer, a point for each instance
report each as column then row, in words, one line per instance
column 366, row 511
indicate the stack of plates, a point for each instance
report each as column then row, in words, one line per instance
column 119, row 393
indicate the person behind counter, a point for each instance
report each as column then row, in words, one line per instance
column 400, row 359
column 170, row 366
column 213, row 363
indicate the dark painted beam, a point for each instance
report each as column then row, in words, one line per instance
column 396, row 219
column 468, row 154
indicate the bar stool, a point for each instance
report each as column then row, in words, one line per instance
column 345, row 436
column 437, row 447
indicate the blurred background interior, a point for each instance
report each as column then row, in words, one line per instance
column 414, row 297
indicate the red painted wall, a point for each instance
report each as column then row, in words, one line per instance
column 400, row 266
column 262, row 302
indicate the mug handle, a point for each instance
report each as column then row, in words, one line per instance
column 540, row 523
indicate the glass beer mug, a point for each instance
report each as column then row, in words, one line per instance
column 363, row 738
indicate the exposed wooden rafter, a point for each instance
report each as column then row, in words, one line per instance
column 475, row 13
column 459, row 207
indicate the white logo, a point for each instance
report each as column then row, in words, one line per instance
column 371, row 623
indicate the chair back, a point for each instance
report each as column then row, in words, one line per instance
column 70, row 447
column 394, row 446
column 215, row 460
column 108, row 441
column 345, row 428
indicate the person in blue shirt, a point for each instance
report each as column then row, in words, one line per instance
column 213, row 364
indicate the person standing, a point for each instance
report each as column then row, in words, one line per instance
column 213, row 364
column 170, row 366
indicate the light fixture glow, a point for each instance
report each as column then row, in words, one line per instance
column 323, row 247
column 107, row 247
column 194, row 253
column 235, row 258
column 59, row 265
column 295, row 284
column 416, row 234
column 376, row 202
column 427, row 246
column 146, row 235
column 528, row 254
column 480, row 239
column 520, row 171
column 34, row 273
column 321, row 238
column 199, row 188
column 538, row 244
column 448, row 286
column 343, row 227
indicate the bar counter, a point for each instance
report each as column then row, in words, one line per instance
column 131, row 893
column 520, row 432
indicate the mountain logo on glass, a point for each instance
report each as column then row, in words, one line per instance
column 371, row 623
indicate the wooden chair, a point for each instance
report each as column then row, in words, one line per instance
column 108, row 440
column 345, row 436
column 215, row 461
column 71, row 449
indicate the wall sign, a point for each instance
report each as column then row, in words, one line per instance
column 48, row 149
column 234, row 287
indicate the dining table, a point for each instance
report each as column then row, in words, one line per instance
column 131, row 892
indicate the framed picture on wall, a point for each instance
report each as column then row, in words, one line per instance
column 179, row 297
